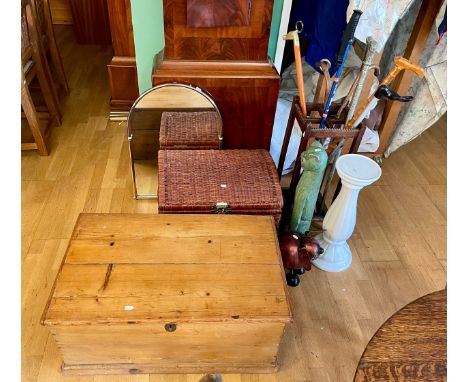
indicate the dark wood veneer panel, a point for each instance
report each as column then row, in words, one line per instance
column 244, row 42
column 212, row 13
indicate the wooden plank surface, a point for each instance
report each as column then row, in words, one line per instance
column 165, row 371
column 150, row 226
column 209, row 342
column 121, row 293
column 170, row 268
column 210, row 250
column 335, row 315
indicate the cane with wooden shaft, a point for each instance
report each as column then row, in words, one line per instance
column 294, row 35
column 371, row 49
column 324, row 66
column 345, row 45
column 383, row 91
column 401, row 63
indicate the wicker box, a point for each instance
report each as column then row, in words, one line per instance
column 190, row 130
column 210, row 181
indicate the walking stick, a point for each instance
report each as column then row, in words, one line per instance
column 383, row 91
column 294, row 35
column 401, row 63
column 345, row 45
column 371, row 49
column 324, row 66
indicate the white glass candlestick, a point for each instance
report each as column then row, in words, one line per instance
column 356, row 172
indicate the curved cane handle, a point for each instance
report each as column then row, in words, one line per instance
column 402, row 63
column 293, row 35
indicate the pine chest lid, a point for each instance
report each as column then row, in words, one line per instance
column 137, row 268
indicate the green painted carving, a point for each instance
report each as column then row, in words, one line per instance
column 313, row 162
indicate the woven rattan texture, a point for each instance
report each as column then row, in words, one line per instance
column 192, row 181
column 190, row 130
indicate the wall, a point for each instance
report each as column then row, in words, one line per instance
column 148, row 33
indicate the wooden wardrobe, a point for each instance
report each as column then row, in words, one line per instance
column 222, row 48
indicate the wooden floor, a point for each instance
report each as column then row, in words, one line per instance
column 399, row 244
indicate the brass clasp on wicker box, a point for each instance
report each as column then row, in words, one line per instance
column 221, row 208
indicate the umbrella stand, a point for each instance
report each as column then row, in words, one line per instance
column 306, row 124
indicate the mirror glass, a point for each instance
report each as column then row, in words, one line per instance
column 144, row 122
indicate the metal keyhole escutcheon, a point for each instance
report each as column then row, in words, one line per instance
column 171, row 327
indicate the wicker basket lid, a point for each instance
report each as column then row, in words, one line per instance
column 192, row 180
column 190, row 128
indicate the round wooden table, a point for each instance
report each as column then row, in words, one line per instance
column 411, row 345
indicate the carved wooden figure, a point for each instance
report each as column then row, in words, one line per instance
column 297, row 252
column 314, row 162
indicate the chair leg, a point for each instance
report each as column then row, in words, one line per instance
column 51, row 102
column 43, row 73
column 54, row 52
column 33, row 120
column 58, row 65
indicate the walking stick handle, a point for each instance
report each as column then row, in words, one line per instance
column 345, row 45
column 402, row 63
column 348, row 35
column 293, row 35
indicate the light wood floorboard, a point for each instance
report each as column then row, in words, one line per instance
column 399, row 244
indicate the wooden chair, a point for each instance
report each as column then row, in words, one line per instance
column 34, row 66
column 41, row 12
column 31, row 113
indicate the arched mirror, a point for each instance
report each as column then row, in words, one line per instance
column 144, row 123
